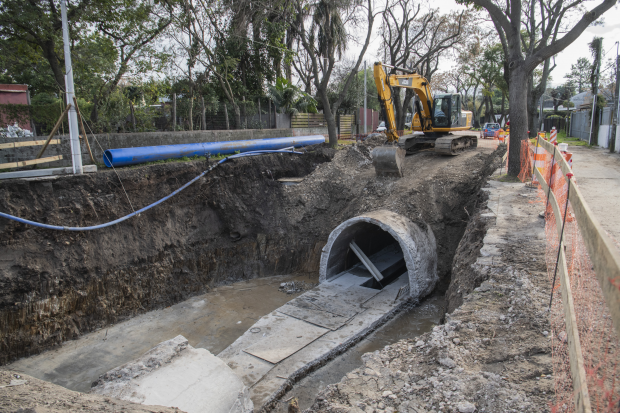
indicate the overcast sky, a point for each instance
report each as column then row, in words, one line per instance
column 610, row 32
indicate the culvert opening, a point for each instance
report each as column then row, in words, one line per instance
column 380, row 247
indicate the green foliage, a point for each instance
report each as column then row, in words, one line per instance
column 579, row 74
column 290, row 99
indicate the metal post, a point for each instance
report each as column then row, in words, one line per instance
column 204, row 116
column 592, row 119
column 174, row 111
column 226, row 117
column 260, row 115
column 365, row 80
column 74, row 132
column 245, row 115
column 616, row 110
column 269, row 123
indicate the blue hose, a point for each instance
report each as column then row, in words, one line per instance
column 146, row 208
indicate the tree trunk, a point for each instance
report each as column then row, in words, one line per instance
column 518, row 117
column 332, row 128
column 237, row 115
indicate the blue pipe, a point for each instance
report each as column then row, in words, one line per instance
column 132, row 156
column 146, row 208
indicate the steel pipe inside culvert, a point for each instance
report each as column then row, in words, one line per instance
column 374, row 231
column 142, row 154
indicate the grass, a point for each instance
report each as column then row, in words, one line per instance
column 505, row 178
column 346, row 141
column 562, row 138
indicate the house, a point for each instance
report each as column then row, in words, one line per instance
column 17, row 95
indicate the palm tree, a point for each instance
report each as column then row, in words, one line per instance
column 289, row 98
column 331, row 34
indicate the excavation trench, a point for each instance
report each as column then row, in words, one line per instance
column 238, row 224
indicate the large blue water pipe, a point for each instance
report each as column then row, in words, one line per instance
column 142, row 154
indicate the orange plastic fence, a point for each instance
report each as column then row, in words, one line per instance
column 599, row 341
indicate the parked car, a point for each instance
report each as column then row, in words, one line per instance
column 489, row 129
column 381, row 127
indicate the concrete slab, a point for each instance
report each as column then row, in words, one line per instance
column 289, row 337
column 175, row 374
column 317, row 317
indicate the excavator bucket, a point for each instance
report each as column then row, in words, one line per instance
column 388, row 160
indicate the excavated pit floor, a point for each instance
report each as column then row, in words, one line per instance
column 211, row 321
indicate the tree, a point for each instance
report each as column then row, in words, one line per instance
column 128, row 26
column 324, row 40
column 554, row 25
column 579, row 75
column 289, row 98
column 412, row 39
column 561, row 94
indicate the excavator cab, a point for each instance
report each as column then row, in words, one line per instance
column 448, row 111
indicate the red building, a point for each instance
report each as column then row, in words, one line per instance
column 15, row 94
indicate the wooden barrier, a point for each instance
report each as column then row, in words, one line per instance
column 308, row 120
column 575, row 355
column 30, row 162
column 12, row 145
column 603, row 253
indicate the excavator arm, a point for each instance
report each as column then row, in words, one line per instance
column 412, row 80
column 436, row 116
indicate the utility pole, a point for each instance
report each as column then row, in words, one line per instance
column 74, row 133
column 365, row 80
column 599, row 45
column 616, row 112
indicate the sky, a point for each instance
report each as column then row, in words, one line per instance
column 610, row 31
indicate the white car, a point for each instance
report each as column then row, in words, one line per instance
column 381, row 127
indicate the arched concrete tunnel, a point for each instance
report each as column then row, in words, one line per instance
column 393, row 242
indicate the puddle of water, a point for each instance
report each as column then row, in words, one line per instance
column 408, row 324
column 212, row 321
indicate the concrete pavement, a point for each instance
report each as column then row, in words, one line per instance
column 598, row 175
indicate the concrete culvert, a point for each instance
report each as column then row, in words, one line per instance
column 392, row 242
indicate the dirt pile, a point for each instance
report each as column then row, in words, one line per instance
column 238, row 222
column 493, row 352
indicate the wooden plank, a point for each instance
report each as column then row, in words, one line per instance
column 30, row 162
column 12, row 145
column 575, row 355
column 35, row 173
column 604, row 255
column 367, row 263
column 577, row 365
column 49, row 138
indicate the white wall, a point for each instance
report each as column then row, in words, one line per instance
column 604, row 133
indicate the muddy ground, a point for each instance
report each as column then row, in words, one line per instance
column 237, row 222
column 493, row 352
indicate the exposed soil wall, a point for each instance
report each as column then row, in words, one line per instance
column 237, row 222
column 493, row 353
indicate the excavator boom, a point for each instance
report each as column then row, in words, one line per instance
column 436, row 117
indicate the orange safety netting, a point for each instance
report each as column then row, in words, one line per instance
column 600, row 343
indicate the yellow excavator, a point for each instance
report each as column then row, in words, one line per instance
column 434, row 119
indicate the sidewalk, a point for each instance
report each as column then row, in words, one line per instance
column 598, row 175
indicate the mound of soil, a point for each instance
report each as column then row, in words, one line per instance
column 238, row 222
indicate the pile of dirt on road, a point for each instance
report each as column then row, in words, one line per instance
column 492, row 354
column 26, row 394
column 238, row 222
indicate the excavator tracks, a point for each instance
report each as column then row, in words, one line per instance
column 453, row 145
